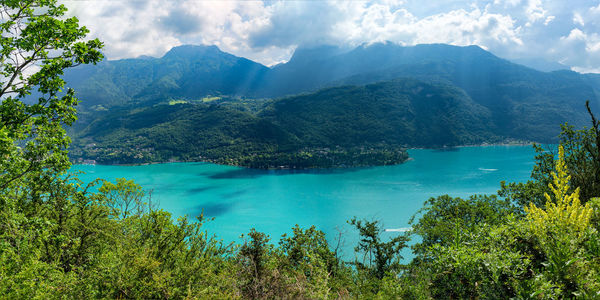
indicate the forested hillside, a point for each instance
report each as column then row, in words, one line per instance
column 221, row 132
column 401, row 112
column 380, row 117
column 377, row 119
column 190, row 72
column 374, row 96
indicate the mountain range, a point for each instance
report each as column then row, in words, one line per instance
column 199, row 103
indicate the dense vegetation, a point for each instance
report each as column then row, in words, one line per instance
column 400, row 112
column 61, row 238
column 113, row 243
column 380, row 97
column 522, row 103
column 344, row 126
column 217, row 132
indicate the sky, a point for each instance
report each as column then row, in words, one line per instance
column 269, row 31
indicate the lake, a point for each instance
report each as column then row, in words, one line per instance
column 273, row 201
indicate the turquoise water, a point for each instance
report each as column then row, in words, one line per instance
column 274, row 201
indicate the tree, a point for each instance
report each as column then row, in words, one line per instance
column 485, row 247
column 37, row 235
column 582, row 159
column 443, row 220
column 253, row 256
column 379, row 257
column 560, row 228
column 37, row 43
column 124, row 198
column 563, row 210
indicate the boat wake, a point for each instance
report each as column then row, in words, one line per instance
column 488, row 170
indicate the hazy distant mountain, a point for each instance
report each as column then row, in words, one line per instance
column 474, row 97
column 541, row 64
column 382, row 118
column 401, row 112
column 489, row 80
column 524, row 103
column 321, row 71
column 193, row 72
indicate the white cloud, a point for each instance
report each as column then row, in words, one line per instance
column 579, row 42
column 269, row 31
column 595, row 9
column 575, row 35
column 128, row 29
column 133, row 28
column 508, row 3
column 535, row 10
column 462, row 27
column 362, row 22
column 549, row 19
column 578, row 19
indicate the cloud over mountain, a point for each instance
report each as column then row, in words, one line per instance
column 269, row 31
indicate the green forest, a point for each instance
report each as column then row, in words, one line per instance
column 64, row 238
column 343, row 108
column 226, row 134
column 410, row 108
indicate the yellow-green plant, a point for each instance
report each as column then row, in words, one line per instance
column 563, row 209
column 560, row 229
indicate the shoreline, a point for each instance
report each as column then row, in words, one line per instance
column 240, row 166
column 504, row 144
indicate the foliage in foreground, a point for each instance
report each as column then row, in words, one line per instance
column 113, row 243
column 62, row 238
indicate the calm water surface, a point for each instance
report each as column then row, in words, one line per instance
column 274, row 201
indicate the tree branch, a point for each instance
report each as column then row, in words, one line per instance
column 29, row 168
column 20, row 68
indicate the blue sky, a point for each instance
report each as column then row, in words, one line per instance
column 268, row 31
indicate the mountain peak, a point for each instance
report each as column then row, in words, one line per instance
column 540, row 64
column 191, row 51
column 144, row 57
column 305, row 54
